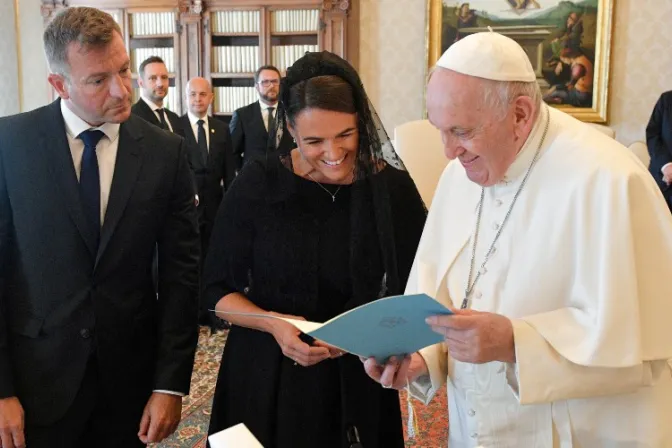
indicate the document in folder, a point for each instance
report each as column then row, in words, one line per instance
column 383, row 328
column 234, row 437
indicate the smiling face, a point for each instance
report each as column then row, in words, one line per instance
column 327, row 145
column 97, row 85
column 483, row 139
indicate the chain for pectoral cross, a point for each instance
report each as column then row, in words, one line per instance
column 470, row 285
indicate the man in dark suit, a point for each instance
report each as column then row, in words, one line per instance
column 211, row 160
column 253, row 127
column 153, row 81
column 659, row 142
column 87, row 190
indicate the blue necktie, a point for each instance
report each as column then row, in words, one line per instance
column 89, row 181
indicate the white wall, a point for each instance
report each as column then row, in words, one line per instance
column 9, row 74
column 393, row 58
column 641, row 64
column 33, row 63
column 391, row 55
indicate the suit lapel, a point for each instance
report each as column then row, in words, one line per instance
column 193, row 149
column 216, row 134
column 258, row 119
column 176, row 123
column 188, row 132
column 126, row 170
column 147, row 113
column 54, row 137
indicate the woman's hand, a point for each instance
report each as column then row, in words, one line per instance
column 287, row 337
column 334, row 352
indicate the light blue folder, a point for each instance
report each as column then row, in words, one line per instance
column 383, row 328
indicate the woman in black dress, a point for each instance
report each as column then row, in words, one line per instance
column 311, row 232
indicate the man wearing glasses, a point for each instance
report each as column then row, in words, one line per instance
column 253, row 129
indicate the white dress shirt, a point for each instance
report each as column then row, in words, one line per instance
column 154, row 107
column 193, row 119
column 264, row 112
column 106, row 152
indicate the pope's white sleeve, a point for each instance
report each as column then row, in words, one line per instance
column 541, row 374
column 425, row 387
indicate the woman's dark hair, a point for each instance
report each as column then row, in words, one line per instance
column 327, row 81
column 327, row 92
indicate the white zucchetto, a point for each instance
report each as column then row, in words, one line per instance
column 488, row 55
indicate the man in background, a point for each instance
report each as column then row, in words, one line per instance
column 90, row 354
column 154, row 83
column 211, row 160
column 253, row 127
column 659, row 142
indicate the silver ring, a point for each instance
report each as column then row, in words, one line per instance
column 386, row 387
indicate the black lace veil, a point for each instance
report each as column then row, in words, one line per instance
column 375, row 147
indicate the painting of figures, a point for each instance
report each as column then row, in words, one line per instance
column 568, row 43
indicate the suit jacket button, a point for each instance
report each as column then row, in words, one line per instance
column 85, row 333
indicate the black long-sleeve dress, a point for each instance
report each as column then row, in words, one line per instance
column 289, row 247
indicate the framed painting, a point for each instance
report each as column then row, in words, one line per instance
column 567, row 41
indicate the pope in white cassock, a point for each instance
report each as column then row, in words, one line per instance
column 553, row 245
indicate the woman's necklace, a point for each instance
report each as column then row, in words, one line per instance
column 333, row 196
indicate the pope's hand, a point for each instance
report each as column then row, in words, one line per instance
column 397, row 372
column 476, row 337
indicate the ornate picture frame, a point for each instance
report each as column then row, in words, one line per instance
column 568, row 42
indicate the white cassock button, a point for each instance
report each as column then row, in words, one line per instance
column 495, row 226
column 474, row 435
column 498, row 202
column 478, row 294
column 472, row 412
column 483, row 271
column 494, row 249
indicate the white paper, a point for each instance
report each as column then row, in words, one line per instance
column 302, row 325
column 234, row 437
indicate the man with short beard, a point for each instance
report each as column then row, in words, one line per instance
column 154, row 83
column 253, row 127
